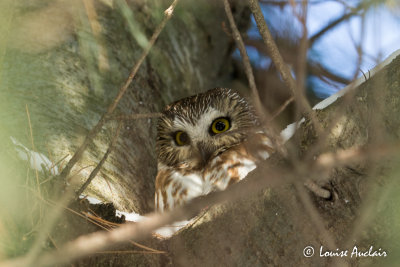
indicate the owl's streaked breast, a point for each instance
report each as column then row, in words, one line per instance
column 175, row 187
column 205, row 143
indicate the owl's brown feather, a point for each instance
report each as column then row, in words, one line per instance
column 209, row 160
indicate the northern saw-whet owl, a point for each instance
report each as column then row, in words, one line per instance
column 204, row 143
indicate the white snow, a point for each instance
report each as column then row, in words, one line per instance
column 168, row 230
column 132, row 217
column 37, row 160
column 289, row 131
column 92, row 200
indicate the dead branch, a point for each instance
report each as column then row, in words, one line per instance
column 135, row 116
column 100, row 164
column 362, row 6
column 277, row 176
column 279, row 63
column 246, row 62
column 53, row 215
column 93, row 132
column 91, row 243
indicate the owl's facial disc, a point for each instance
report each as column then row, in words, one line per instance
column 193, row 130
column 200, row 141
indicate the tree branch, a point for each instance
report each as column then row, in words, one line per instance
column 279, row 63
column 94, row 131
column 245, row 58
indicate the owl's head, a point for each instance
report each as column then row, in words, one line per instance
column 194, row 130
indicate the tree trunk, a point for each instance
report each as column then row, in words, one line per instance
column 272, row 227
column 71, row 67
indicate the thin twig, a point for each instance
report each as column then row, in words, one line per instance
column 33, row 146
column 128, row 252
column 336, row 22
column 246, row 61
column 282, row 107
column 94, row 131
column 100, row 165
column 95, row 219
column 256, row 180
column 357, row 154
column 282, row 67
column 301, row 62
column 54, row 214
column 136, row 116
column 264, row 116
column 88, row 244
column 313, row 68
column 271, row 46
column 48, row 223
column 34, row 159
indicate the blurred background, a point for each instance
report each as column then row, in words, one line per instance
column 345, row 40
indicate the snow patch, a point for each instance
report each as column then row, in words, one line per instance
column 92, row 200
column 289, row 131
column 37, row 161
column 132, row 217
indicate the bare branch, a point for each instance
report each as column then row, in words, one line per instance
column 54, row 214
column 94, row 131
column 363, row 5
column 95, row 242
column 135, row 116
column 100, row 164
column 313, row 67
column 357, row 154
column 273, row 50
column 282, row 107
column 277, row 175
column 276, row 57
column 246, row 62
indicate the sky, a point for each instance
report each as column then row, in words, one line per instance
column 380, row 38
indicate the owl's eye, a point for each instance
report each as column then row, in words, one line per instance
column 220, row 125
column 181, row 138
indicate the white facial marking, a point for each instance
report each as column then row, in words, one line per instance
column 199, row 131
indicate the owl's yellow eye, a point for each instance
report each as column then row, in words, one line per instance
column 181, row 138
column 220, row 125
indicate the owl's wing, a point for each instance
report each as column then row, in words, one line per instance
column 235, row 163
column 176, row 187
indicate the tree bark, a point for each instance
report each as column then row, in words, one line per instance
column 272, row 227
column 71, row 67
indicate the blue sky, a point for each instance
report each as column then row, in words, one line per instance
column 336, row 49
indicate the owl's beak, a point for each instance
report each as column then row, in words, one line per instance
column 204, row 151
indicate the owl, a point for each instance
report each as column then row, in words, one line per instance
column 205, row 143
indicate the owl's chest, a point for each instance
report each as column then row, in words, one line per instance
column 217, row 175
